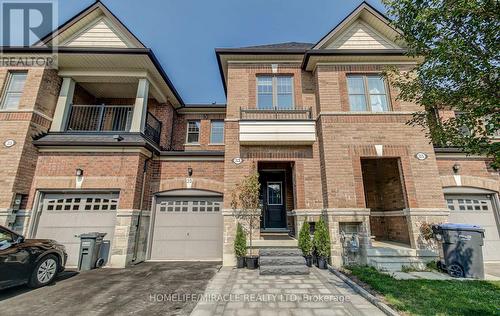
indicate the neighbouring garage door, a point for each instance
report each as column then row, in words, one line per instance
column 65, row 215
column 187, row 227
column 477, row 209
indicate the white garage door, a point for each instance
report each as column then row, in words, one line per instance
column 477, row 209
column 65, row 215
column 187, row 228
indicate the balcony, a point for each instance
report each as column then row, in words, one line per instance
column 109, row 118
column 277, row 127
column 275, row 114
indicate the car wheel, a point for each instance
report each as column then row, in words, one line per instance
column 455, row 270
column 45, row 271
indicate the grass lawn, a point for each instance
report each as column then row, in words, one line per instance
column 433, row 297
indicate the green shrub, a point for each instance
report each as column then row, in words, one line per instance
column 322, row 239
column 240, row 242
column 305, row 242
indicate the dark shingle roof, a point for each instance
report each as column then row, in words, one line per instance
column 291, row 45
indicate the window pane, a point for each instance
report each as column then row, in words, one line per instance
column 217, row 132
column 11, row 100
column 14, row 90
column 376, row 85
column 379, row 103
column 356, row 85
column 274, row 193
column 284, row 88
column 193, row 131
column 357, row 102
column 264, row 92
column 265, row 101
column 192, row 138
column 285, row 101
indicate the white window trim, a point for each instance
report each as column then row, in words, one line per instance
column 275, row 91
column 367, row 94
column 187, row 133
column 223, row 132
column 281, row 188
column 6, row 88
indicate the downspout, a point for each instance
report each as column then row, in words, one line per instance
column 139, row 219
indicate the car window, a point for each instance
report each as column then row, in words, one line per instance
column 6, row 239
column 6, row 236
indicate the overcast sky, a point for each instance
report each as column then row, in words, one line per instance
column 184, row 33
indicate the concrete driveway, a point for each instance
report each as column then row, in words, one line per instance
column 141, row 288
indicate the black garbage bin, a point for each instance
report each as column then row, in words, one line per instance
column 462, row 249
column 90, row 248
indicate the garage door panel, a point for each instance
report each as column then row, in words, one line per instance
column 63, row 225
column 187, row 228
column 203, row 249
column 479, row 210
column 204, row 233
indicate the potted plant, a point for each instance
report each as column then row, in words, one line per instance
column 240, row 246
column 246, row 208
column 322, row 243
column 305, row 243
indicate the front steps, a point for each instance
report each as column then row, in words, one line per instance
column 282, row 261
column 393, row 258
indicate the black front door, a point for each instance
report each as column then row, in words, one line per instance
column 273, row 189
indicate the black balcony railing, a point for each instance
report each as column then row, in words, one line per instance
column 99, row 118
column 275, row 114
column 152, row 129
column 109, row 118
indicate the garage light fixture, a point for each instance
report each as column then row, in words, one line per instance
column 190, row 172
column 456, row 168
column 79, row 172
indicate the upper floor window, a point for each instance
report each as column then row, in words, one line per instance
column 193, row 132
column 275, row 92
column 367, row 93
column 217, row 132
column 13, row 90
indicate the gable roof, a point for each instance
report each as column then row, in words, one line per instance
column 96, row 18
column 364, row 24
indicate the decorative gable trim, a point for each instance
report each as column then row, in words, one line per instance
column 360, row 35
column 365, row 23
column 84, row 21
column 99, row 33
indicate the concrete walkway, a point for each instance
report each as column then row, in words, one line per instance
column 245, row 292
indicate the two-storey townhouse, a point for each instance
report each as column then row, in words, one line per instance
column 97, row 136
column 104, row 143
column 329, row 137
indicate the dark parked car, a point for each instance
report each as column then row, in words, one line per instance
column 32, row 261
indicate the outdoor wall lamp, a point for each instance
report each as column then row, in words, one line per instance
column 190, row 172
column 456, row 168
column 79, row 172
